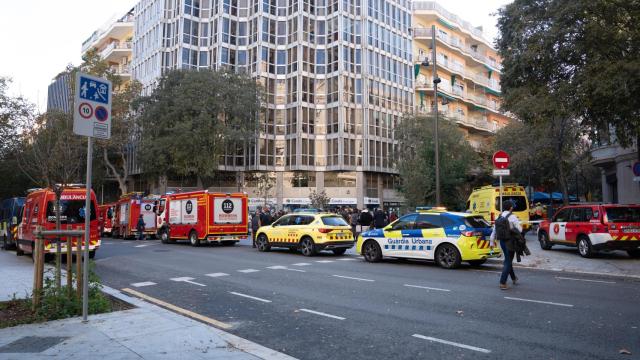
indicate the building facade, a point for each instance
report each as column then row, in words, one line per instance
column 469, row 69
column 619, row 183
column 59, row 94
column 338, row 76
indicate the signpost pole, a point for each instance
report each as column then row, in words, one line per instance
column 500, row 194
column 87, row 233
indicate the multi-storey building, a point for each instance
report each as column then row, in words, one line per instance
column 113, row 43
column 619, row 183
column 469, row 69
column 338, row 76
column 59, row 93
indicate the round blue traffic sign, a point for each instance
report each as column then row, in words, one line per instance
column 101, row 113
column 636, row 168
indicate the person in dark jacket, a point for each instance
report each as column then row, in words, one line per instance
column 255, row 225
column 365, row 219
column 380, row 219
column 140, row 227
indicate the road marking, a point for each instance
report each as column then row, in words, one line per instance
column 426, row 287
column 352, row 278
column 301, row 264
column 587, row 280
column 464, row 346
column 250, row 297
column 323, row 314
column 486, row 271
column 216, row 274
column 324, row 261
column 145, row 283
column 348, row 259
column 187, row 280
column 247, row 271
column 280, row 267
column 539, row 301
column 179, row 310
column 141, row 246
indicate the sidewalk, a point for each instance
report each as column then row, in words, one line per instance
column 565, row 258
column 145, row 332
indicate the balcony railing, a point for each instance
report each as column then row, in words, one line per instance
column 115, row 46
column 121, row 69
column 455, row 42
column 431, row 5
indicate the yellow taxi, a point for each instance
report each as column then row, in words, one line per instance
column 307, row 232
column 431, row 234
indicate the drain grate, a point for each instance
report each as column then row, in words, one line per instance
column 32, row 344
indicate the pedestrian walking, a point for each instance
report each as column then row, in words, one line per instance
column 255, row 225
column 140, row 227
column 503, row 231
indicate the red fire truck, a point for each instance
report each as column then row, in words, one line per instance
column 200, row 216
column 106, row 213
column 40, row 211
column 128, row 209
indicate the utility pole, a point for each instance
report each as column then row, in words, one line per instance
column 436, row 81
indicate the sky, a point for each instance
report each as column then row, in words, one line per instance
column 39, row 38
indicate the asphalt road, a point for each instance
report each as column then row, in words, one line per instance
column 340, row 307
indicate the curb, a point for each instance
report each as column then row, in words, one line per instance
column 237, row 342
column 623, row 276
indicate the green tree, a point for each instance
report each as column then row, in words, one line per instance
column 417, row 161
column 319, row 199
column 572, row 65
column 192, row 116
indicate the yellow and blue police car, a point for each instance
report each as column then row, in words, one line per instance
column 431, row 234
column 307, row 232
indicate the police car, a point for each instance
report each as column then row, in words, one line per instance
column 431, row 234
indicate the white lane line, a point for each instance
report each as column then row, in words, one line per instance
column 144, row 283
column 587, row 280
column 250, row 297
column 425, row 287
column 464, row 346
column 187, row 280
column 280, row 267
column 141, row 246
column 247, row 271
column 324, row 261
column 348, row 259
column 301, row 264
column 486, row 271
column 323, row 314
column 538, row 301
column 217, row 274
column 352, row 278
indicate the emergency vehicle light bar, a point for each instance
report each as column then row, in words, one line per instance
column 432, row 208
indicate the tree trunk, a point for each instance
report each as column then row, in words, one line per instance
column 122, row 179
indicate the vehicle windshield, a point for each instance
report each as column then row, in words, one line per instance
column 476, row 222
column 623, row 214
column 334, row 221
column 519, row 201
column 72, row 211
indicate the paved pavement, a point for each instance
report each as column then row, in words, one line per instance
column 16, row 274
column 333, row 307
column 145, row 332
column 566, row 258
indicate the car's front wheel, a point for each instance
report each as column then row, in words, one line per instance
column 263, row 243
column 371, row 251
column 584, row 247
column 543, row 238
column 447, row 256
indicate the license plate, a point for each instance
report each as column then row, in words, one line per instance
column 631, row 230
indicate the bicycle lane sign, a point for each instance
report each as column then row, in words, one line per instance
column 92, row 106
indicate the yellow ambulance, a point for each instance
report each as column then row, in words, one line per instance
column 485, row 201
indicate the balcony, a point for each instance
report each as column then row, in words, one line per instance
column 433, row 6
column 121, row 70
column 116, row 50
column 425, row 33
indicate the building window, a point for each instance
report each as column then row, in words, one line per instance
column 339, row 179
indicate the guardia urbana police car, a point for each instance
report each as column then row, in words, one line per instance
column 447, row 237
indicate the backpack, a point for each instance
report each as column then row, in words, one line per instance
column 503, row 227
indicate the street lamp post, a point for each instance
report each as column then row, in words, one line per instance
column 436, row 81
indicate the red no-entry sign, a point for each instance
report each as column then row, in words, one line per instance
column 501, row 160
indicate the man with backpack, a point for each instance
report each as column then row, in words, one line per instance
column 504, row 228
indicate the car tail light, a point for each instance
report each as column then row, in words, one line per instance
column 493, row 217
column 467, row 233
column 325, row 231
column 599, row 229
